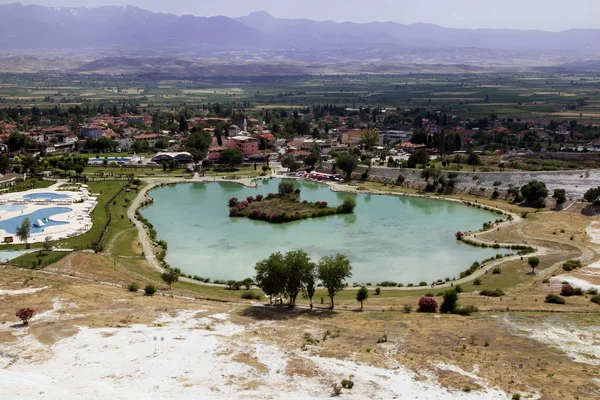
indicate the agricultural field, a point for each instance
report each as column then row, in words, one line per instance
column 531, row 96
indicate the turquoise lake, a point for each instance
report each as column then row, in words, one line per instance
column 396, row 238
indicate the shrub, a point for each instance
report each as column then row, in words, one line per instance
column 250, row 295
column 25, row 314
column 592, row 291
column 492, row 293
column 133, row 287
column 459, row 235
column 458, row 289
column 567, row 290
column 378, row 291
column 516, row 396
column 595, row 299
column 496, row 271
column 555, row 299
column 408, row 308
column 348, row 383
column 427, row 304
column 422, row 283
column 465, row 311
column 477, row 282
column 450, row 302
column 259, row 197
column 571, row 265
column 233, row 202
column 150, row 290
column 249, row 199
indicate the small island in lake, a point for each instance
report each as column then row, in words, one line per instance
column 285, row 206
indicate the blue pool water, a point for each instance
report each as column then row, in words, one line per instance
column 10, row 225
column 47, row 196
column 12, row 208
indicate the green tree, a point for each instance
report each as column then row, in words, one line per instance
column 533, row 263
column 535, row 193
column 270, row 275
column 346, row 163
column 4, row 163
column 231, row 158
column 473, row 159
column 313, row 158
column 592, row 195
column 298, row 268
column 418, row 157
column 560, row 195
column 24, row 230
column 362, row 295
column 170, row 277
column 183, row 125
column 333, row 272
column 289, row 161
column 450, row 302
column 310, row 287
column 370, row 138
column 200, row 140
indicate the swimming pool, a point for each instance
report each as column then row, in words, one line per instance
column 9, row 208
column 118, row 160
column 47, row 196
column 10, row 225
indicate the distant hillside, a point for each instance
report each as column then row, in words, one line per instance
column 260, row 43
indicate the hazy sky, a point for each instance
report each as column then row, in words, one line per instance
column 552, row 15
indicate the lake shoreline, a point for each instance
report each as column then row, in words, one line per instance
column 151, row 251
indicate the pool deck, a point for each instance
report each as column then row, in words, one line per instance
column 78, row 220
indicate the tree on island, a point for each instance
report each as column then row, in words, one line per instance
column 362, row 295
column 347, row 163
column 533, row 263
column 333, row 272
column 348, row 205
column 286, row 187
column 24, row 230
column 231, row 158
column 290, row 163
column 170, row 277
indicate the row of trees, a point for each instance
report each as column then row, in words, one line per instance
column 294, row 273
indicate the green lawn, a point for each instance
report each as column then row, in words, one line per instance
column 28, row 185
column 39, row 258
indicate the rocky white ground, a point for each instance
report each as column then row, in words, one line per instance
column 193, row 355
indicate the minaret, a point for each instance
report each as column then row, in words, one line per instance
column 245, row 125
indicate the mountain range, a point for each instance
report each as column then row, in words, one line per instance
column 124, row 38
column 37, row 27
